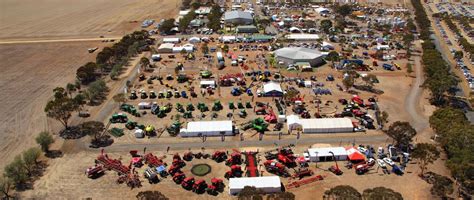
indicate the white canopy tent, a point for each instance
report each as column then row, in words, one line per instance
column 207, row 128
column 324, row 154
column 320, row 125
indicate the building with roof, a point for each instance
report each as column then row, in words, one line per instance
column 208, row 128
column 272, row 89
column 325, row 154
column 246, row 29
column 165, row 48
column 268, row 184
column 320, row 125
column 238, row 18
column 302, row 37
column 292, row 55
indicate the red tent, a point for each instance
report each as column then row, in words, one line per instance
column 354, row 155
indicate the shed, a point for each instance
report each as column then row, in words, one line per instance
column 208, row 83
column 171, row 40
column 166, row 48
column 208, row 128
column 272, row 89
column 246, row 29
column 268, row 184
column 323, row 154
column 238, row 17
column 320, row 125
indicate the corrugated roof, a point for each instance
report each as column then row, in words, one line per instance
column 209, row 126
column 326, row 123
column 237, row 14
column 298, row 53
column 258, row 182
column 320, row 152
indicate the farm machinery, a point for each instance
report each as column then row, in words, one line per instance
column 335, row 168
column 219, row 156
column 177, row 161
column 112, row 164
column 202, row 107
column 151, row 175
column 217, row 106
column 118, row 118
column 130, row 109
column 235, row 171
column 95, row 171
column 153, row 161
column 275, row 167
column 188, row 156
column 258, row 124
column 302, row 172
column 284, row 155
column 229, row 80
column 200, row 186
column 174, row 128
column 133, row 95
column 131, row 179
column 235, row 159
column 179, row 177
column 217, row 185
column 188, row 183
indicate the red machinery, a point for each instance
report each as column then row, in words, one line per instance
column 188, row 156
column 177, row 161
column 299, row 183
column 112, row 164
column 217, row 185
column 358, row 100
column 188, row 183
column 362, row 169
column 174, row 169
column 275, row 167
column 261, row 110
column 200, row 186
column 153, row 161
column 131, row 178
column 179, row 177
column 302, row 172
column 235, row 171
column 335, row 169
column 270, row 117
column 235, row 159
column 219, row 156
column 287, row 158
column 95, row 171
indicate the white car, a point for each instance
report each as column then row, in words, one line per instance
column 381, row 163
column 389, row 161
column 362, row 149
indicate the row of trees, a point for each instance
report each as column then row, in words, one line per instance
column 214, row 18
column 348, row 192
column 24, row 167
column 468, row 47
column 186, row 20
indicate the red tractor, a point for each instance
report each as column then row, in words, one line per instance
column 200, row 186
column 235, row 171
column 275, row 167
column 174, row 169
column 362, row 169
column 95, row 171
column 288, row 159
column 303, row 172
column 188, row 156
column 179, row 177
column 188, row 183
column 235, row 159
column 177, row 161
column 217, row 185
column 219, row 156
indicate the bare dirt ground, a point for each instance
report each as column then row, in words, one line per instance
column 29, row 73
column 71, row 19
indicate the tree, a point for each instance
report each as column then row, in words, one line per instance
column 44, row 139
column 225, row 48
column 145, row 62
column 166, row 26
column 401, row 132
column 70, row 88
column 186, row 4
column 384, row 117
column 344, row 10
column 120, row 98
column 369, row 80
column 381, row 193
column 205, row 48
column 94, row 129
column 96, row 90
column 458, row 55
column 409, row 68
column 16, row 172
column 333, row 56
column 425, row 153
column 342, row 192
column 195, row 5
column 250, row 193
column 151, row 195
column 30, row 158
column 326, row 25
column 348, row 82
column 86, row 73
column 6, row 186
column 61, row 107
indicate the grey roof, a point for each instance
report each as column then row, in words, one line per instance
column 237, row 14
column 298, row 53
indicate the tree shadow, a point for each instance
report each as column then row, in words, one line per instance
column 54, row 154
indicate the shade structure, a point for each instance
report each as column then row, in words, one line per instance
column 354, row 155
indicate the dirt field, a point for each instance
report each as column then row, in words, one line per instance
column 29, row 74
column 72, row 19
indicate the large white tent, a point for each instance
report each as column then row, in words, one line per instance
column 268, row 184
column 320, row 125
column 324, row 154
column 207, row 128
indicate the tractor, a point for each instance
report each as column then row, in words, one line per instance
column 119, row 118
column 161, row 95
column 243, row 113
column 188, row 156
column 188, row 115
column 219, row 156
column 130, row 125
column 174, row 128
column 200, row 186
column 95, row 171
column 182, row 78
column 231, row 105
column 248, row 105
column 205, row 74
column 217, row 185
column 133, row 95
column 240, row 105
column 235, row 171
column 275, row 167
column 235, row 159
column 152, row 95
column 202, row 107
column 189, row 107
column 174, row 169
column 179, row 177
column 150, row 130
column 143, row 94
column 177, row 94
column 188, row 183
column 217, row 106
column 179, row 108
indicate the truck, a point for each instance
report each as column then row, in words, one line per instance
column 220, row 57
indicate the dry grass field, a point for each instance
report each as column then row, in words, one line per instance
column 72, row 19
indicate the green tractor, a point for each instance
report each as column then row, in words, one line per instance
column 119, row 118
column 130, row 125
column 130, row 109
column 202, row 107
column 133, row 95
column 231, row 105
column 179, row 108
column 190, row 107
column 259, row 125
column 161, row 95
column 174, row 128
column 161, row 113
column 152, row 95
column 217, row 106
column 248, row 105
column 243, row 113
column 143, row 94
column 188, row 115
column 166, row 108
column 240, row 105
column 182, row 78
column 205, row 74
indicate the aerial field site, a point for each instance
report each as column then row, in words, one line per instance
column 237, row 99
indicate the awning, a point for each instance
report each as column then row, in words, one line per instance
column 354, row 154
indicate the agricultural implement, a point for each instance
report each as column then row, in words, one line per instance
column 299, row 183
column 112, row 164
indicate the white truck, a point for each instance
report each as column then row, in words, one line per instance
column 220, row 57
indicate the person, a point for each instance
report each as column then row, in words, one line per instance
column 168, row 149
